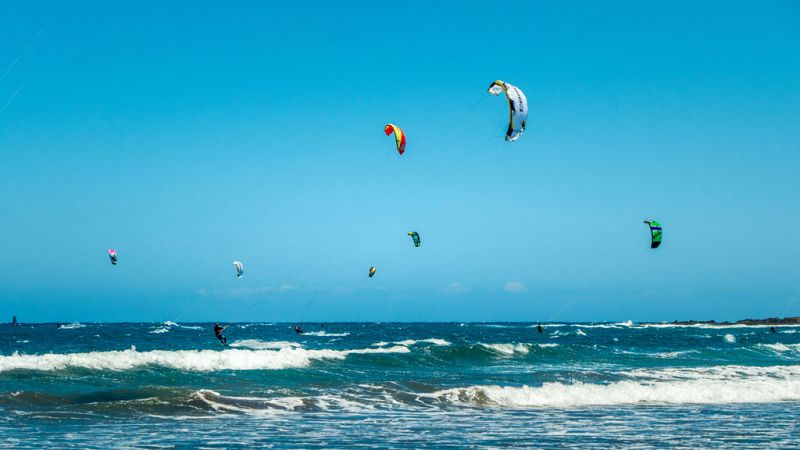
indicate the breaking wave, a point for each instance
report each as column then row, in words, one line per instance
column 713, row 385
column 513, row 349
column 170, row 323
column 185, row 360
column 781, row 348
column 506, row 349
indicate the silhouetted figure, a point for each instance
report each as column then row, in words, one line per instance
column 772, row 330
column 297, row 329
column 539, row 328
column 14, row 322
column 218, row 329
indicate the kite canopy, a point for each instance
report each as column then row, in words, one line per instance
column 112, row 255
column 415, row 237
column 518, row 106
column 239, row 268
column 655, row 233
column 399, row 136
column 371, row 271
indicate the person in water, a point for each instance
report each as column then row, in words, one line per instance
column 772, row 330
column 539, row 328
column 218, row 329
column 297, row 329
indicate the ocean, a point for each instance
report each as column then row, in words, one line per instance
column 399, row 385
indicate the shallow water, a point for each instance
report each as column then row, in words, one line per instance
column 399, row 385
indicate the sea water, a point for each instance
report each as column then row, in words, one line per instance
column 434, row 385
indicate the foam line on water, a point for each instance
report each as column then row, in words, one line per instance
column 323, row 333
column 410, row 342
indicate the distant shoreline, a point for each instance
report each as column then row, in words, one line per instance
column 769, row 321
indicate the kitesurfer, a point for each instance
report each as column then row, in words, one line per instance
column 218, row 329
column 539, row 328
column 772, row 329
column 297, row 329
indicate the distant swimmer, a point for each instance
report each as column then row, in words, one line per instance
column 297, row 329
column 772, row 330
column 218, row 329
column 539, row 328
column 14, row 322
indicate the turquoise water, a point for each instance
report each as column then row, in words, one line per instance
column 417, row 385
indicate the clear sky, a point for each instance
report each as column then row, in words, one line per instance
column 190, row 134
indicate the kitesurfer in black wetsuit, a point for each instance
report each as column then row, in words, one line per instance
column 539, row 328
column 297, row 329
column 218, row 329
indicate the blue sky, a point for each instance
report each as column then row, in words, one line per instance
column 188, row 136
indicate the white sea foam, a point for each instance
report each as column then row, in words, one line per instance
column 580, row 332
column 434, row 341
column 187, row 360
column 71, row 326
column 729, row 338
column 715, row 385
column 169, row 325
column 506, row 349
column 249, row 405
column 260, row 406
column 602, row 325
column 781, row 348
column 322, row 333
column 410, row 342
column 255, row 344
column 671, row 355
